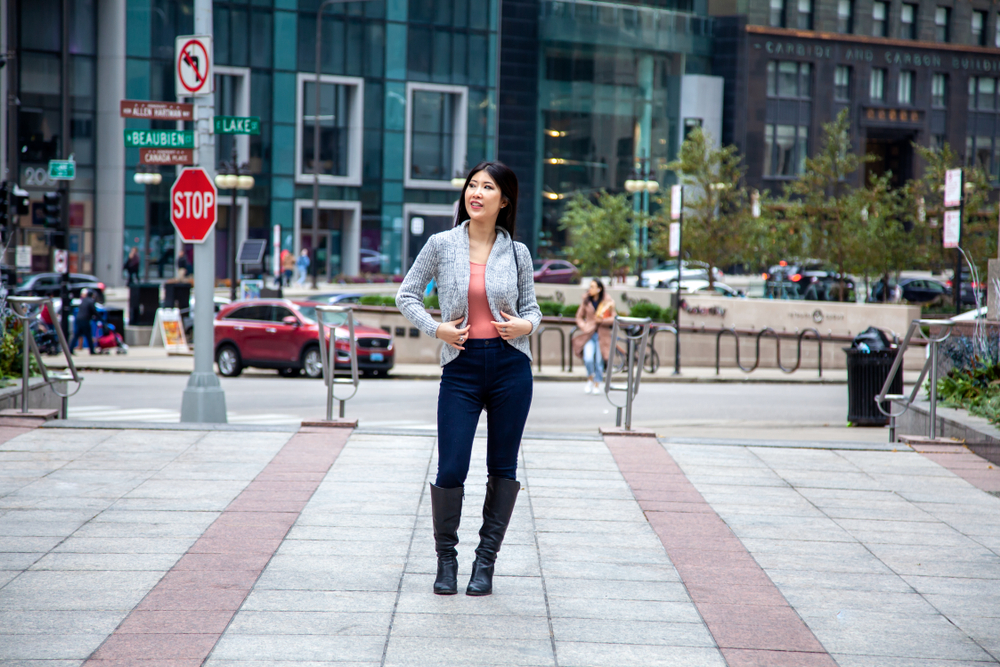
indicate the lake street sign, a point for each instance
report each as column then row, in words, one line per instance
column 166, row 156
column 62, row 170
column 156, row 110
column 159, row 138
column 237, row 125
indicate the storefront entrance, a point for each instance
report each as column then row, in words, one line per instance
column 334, row 243
column 893, row 153
column 421, row 222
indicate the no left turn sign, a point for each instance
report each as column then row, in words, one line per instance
column 193, row 65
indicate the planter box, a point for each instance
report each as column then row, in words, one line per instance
column 978, row 434
column 40, row 395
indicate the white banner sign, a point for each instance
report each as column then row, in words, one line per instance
column 60, row 261
column 952, row 228
column 676, row 201
column 952, row 188
column 23, row 257
column 675, row 239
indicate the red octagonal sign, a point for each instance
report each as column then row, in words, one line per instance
column 193, row 205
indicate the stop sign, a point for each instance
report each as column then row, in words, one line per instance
column 193, row 205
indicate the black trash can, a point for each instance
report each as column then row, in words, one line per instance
column 866, row 374
column 177, row 295
column 116, row 316
column 143, row 300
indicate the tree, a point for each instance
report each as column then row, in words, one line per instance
column 600, row 233
column 826, row 202
column 717, row 215
column 887, row 243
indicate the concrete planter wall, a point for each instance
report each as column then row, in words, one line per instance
column 978, row 434
column 40, row 395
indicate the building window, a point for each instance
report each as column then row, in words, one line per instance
column 938, row 90
column 904, row 87
column 942, row 21
column 436, row 128
column 986, row 99
column 789, row 79
column 777, row 18
column 880, row 19
column 842, row 84
column 908, row 22
column 876, row 86
column 341, row 128
column 845, row 16
column 996, row 32
column 938, row 141
column 979, row 28
column 805, row 18
column 785, row 149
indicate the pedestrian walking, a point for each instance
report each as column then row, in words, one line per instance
column 81, row 326
column 132, row 266
column 302, row 264
column 487, row 298
column 592, row 341
column 184, row 268
column 287, row 267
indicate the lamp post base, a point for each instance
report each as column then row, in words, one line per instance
column 203, row 400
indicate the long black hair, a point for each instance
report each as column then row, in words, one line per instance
column 600, row 295
column 506, row 180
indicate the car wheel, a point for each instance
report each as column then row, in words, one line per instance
column 312, row 363
column 289, row 372
column 228, row 359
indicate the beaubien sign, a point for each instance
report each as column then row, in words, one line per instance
column 159, row 138
column 237, row 125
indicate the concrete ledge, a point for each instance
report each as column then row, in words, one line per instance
column 630, row 433
column 40, row 395
column 331, row 423
column 981, row 437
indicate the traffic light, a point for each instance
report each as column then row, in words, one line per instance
column 20, row 201
column 51, row 209
column 4, row 204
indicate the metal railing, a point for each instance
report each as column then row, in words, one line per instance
column 328, row 356
column 633, row 365
column 562, row 346
column 20, row 305
column 768, row 331
column 652, row 354
column 931, row 366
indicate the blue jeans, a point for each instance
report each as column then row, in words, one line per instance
column 592, row 359
column 488, row 374
column 82, row 330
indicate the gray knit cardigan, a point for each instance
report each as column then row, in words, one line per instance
column 445, row 258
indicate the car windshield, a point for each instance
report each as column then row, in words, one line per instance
column 538, row 264
column 329, row 319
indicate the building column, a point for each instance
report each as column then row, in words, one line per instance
column 109, row 176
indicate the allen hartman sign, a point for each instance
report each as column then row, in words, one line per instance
column 166, row 156
column 156, row 110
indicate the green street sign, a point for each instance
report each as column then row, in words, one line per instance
column 62, row 170
column 237, row 124
column 159, row 138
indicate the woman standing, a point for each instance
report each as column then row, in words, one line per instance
column 486, row 291
column 592, row 342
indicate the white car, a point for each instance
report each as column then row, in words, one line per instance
column 702, row 287
column 971, row 315
column 665, row 272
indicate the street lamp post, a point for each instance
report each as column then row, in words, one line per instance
column 230, row 178
column 146, row 177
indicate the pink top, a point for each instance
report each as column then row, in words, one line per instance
column 480, row 317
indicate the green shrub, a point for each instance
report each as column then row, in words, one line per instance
column 431, row 302
column 11, row 348
column 378, row 300
column 569, row 310
column 646, row 309
column 550, row 308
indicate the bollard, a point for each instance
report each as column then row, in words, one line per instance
column 328, row 356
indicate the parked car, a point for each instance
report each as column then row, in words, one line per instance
column 970, row 289
column 812, row 281
column 284, row 335
column 702, row 287
column 335, row 299
column 49, row 284
column 371, row 261
column 666, row 272
column 914, row 290
column 556, row 271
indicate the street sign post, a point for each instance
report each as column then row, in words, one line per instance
column 237, row 125
column 156, row 110
column 193, row 65
column 193, row 205
column 62, row 170
column 166, row 156
column 159, row 138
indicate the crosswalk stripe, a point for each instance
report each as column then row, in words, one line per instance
column 114, row 413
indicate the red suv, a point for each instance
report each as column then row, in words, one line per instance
column 282, row 334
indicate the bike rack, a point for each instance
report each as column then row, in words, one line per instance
column 19, row 304
column 562, row 345
column 571, row 332
column 328, row 357
column 633, row 369
column 653, row 330
column 768, row 331
column 929, row 365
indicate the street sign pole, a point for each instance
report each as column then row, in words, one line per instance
column 204, row 400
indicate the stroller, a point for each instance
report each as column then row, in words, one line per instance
column 106, row 338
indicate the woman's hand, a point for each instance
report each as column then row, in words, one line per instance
column 452, row 335
column 513, row 327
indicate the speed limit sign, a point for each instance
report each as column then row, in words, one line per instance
column 193, row 65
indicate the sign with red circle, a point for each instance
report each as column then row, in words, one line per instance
column 194, row 65
column 193, row 205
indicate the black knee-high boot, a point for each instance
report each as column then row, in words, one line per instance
column 446, row 509
column 501, row 494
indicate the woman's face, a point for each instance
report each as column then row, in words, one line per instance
column 482, row 198
column 594, row 289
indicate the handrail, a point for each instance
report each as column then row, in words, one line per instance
column 22, row 314
column 633, row 369
column 562, row 345
column 328, row 357
column 916, row 326
column 768, row 331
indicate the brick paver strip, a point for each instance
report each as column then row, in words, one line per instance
column 180, row 621
column 966, row 464
column 747, row 615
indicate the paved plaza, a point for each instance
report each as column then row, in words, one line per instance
column 241, row 545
